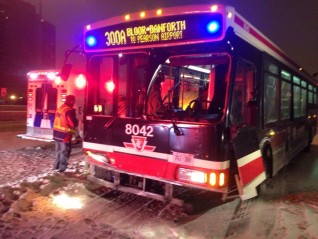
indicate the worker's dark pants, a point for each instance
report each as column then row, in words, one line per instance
column 62, row 154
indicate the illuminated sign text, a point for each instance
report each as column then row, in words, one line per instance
column 159, row 30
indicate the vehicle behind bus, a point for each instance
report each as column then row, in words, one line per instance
column 46, row 91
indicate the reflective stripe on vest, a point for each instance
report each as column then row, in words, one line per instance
column 60, row 122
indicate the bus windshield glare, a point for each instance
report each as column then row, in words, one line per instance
column 187, row 87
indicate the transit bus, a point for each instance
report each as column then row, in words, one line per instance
column 233, row 109
column 46, row 91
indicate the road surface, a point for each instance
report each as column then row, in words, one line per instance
column 288, row 208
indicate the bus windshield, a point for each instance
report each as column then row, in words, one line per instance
column 185, row 87
column 189, row 87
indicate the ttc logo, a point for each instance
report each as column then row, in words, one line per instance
column 139, row 143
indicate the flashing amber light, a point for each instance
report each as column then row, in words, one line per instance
column 271, row 132
column 127, row 17
column 80, row 81
column 110, row 86
column 221, row 179
column 214, row 8
column 212, row 179
column 217, row 179
column 159, row 12
column 142, row 14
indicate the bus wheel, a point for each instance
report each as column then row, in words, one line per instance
column 268, row 161
column 267, row 155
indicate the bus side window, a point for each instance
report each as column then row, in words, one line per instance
column 243, row 107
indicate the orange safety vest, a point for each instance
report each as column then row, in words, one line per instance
column 60, row 122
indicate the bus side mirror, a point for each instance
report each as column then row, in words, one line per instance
column 66, row 71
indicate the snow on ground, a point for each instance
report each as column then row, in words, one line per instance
column 29, row 192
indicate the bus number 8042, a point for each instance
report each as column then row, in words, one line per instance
column 145, row 130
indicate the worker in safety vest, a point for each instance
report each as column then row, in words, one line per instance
column 64, row 127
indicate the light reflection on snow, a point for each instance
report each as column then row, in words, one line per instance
column 66, row 202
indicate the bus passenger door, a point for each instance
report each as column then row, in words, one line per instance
column 244, row 122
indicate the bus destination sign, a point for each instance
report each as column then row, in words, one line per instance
column 161, row 30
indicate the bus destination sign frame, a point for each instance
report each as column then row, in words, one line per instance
column 157, row 31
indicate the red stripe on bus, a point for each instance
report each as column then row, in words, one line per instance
column 144, row 165
column 251, row 170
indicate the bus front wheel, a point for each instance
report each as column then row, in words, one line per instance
column 267, row 154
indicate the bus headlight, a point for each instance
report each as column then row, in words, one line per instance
column 192, row 175
column 214, row 179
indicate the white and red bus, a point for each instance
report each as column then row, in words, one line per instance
column 236, row 108
column 46, row 91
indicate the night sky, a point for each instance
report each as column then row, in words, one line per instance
column 290, row 24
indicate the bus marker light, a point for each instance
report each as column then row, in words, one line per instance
column 127, row 17
column 229, row 15
column 271, row 132
column 213, row 179
column 142, row 14
column 159, row 12
column 221, row 179
column 214, row 8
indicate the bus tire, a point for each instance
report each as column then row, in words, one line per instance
column 267, row 154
